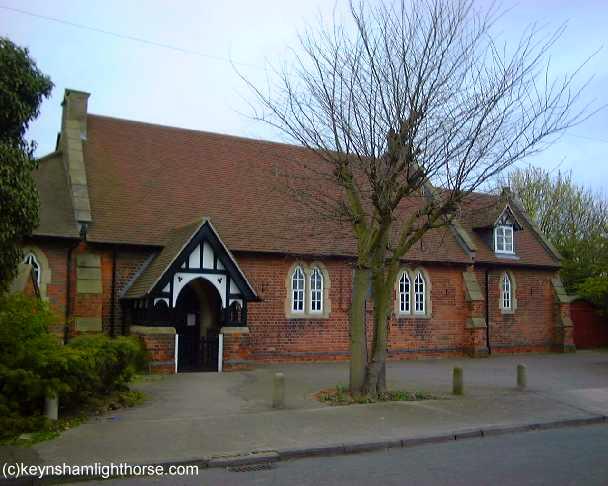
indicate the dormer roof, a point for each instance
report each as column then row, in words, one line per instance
column 498, row 215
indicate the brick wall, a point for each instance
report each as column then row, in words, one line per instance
column 56, row 253
column 128, row 262
column 443, row 332
column 275, row 336
column 160, row 346
column 55, row 263
column 237, row 349
column 87, row 305
column 531, row 326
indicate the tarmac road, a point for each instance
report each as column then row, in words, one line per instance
column 568, row 456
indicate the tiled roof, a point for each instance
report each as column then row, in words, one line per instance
column 529, row 246
column 487, row 217
column 180, row 237
column 56, row 213
column 146, row 180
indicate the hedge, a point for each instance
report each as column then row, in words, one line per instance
column 34, row 364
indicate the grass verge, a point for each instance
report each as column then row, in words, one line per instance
column 96, row 406
column 341, row 396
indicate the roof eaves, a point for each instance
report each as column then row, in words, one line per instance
column 232, row 258
column 177, row 253
column 136, row 275
column 48, row 234
column 463, row 238
column 460, row 234
column 51, row 155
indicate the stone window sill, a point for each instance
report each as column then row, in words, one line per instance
column 413, row 316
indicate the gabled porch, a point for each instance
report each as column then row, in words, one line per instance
column 194, row 286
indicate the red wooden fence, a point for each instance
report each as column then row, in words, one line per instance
column 590, row 327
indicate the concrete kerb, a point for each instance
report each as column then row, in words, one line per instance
column 353, row 448
column 272, row 456
column 244, row 459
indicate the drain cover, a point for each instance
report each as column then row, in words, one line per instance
column 262, row 466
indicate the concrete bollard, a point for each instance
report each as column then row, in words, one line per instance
column 51, row 407
column 457, row 381
column 278, row 391
column 522, row 377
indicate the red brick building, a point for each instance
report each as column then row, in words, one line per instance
column 163, row 232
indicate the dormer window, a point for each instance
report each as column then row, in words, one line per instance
column 503, row 239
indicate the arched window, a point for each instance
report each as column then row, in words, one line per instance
column 316, row 290
column 31, row 259
column 235, row 312
column 404, row 293
column 297, row 290
column 419, row 294
column 161, row 304
column 506, row 292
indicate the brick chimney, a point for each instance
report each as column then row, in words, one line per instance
column 73, row 134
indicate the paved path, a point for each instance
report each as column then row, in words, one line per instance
column 557, row 457
column 194, row 415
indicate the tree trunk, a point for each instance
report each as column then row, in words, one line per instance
column 375, row 380
column 358, row 338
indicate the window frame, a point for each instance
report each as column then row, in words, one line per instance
column 417, row 292
column 405, row 297
column 312, row 290
column 37, row 268
column 506, row 294
column 504, row 228
column 235, row 311
column 300, row 291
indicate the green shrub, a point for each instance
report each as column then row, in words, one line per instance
column 595, row 290
column 28, row 354
column 34, row 364
column 23, row 320
column 106, row 365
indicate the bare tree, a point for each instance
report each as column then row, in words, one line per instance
column 408, row 109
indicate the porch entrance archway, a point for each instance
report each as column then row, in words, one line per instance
column 197, row 323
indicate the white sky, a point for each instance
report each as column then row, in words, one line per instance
column 133, row 80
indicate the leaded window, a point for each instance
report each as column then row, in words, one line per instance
column 506, row 294
column 297, row 290
column 316, row 290
column 404, row 293
column 503, row 239
column 419, row 294
column 31, row 259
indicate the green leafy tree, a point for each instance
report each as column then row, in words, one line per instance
column 595, row 290
column 22, row 89
column 575, row 219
